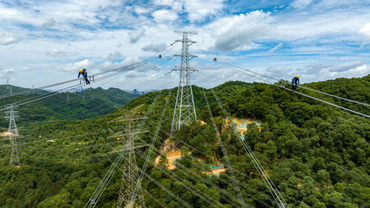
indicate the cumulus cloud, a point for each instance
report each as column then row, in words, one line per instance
column 7, row 38
column 364, row 32
column 315, row 68
column 85, row 64
column 131, row 74
column 58, row 53
column 300, row 4
column 25, row 68
column 136, row 35
column 164, row 15
column 131, row 60
column 164, row 2
column 198, row 10
column 346, row 66
column 154, row 47
column 279, row 72
column 48, row 24
column 6, row 72
column 108, row 65
column 275, row 48
column 141, row 10
column 115, row 56
column 241, row 30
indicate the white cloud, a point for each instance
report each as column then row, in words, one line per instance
column 108, row 65
column 300, row 4
column 164, row 15
column 346, row 66
column 7, row 38
column 136, row 35
column 7, row 72
column 164, row 2
column 141, row 10
column 364, row 32
column 152, row 77
column 58, row 53
column 198, row 10
column 131, row 60
column 48, row 24
column 155, row 47
column 242, row 30
column 85, row 64
column 115, row 56
column 315, row 68
column 131, row 74
column 25, row 68
column 275, row 48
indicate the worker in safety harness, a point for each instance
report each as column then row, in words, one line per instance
column 84, row 74
column 295, row 82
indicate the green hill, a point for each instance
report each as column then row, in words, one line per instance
column 317, row 155
column 97, row 102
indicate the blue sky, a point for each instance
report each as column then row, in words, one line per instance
column 42, row 42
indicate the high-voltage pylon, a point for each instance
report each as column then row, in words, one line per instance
column 184, row 108
column 13, row 133
column 130, row 172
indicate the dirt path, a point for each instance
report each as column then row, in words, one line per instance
column 171, row 157
column 218, row 171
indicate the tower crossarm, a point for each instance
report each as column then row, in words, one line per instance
column 186, row 40
column 188, row 55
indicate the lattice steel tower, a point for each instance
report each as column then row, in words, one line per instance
column 128, row 195
column 184, row 108
column 13, row 133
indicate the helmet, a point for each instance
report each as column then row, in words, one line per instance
column 297, row 75
column 81, row 70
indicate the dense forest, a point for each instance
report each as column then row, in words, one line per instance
column 317, row 155
column 96, row 102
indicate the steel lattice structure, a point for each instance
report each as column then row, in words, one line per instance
column 184, row 110
column 130, row 172
column 13, row 133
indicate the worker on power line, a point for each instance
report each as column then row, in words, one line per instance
column 215, row 59
column 160, row 56
column 295, row 82
column 84, row 74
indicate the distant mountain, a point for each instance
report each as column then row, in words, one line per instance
column 69, row 105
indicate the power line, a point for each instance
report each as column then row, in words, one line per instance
column 235, row 183
column 283, row 83
column 95, row 75
column 280, row 201
column 138, row 184
column 201, row 152
column 280, row 80
column 112, row 170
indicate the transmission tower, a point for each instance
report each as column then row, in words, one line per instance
column 184, row 108
column 130, row 172
column 13, row 133
column 9, row 87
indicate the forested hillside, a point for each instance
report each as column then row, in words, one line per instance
column 97, row 102
column 317, row 155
